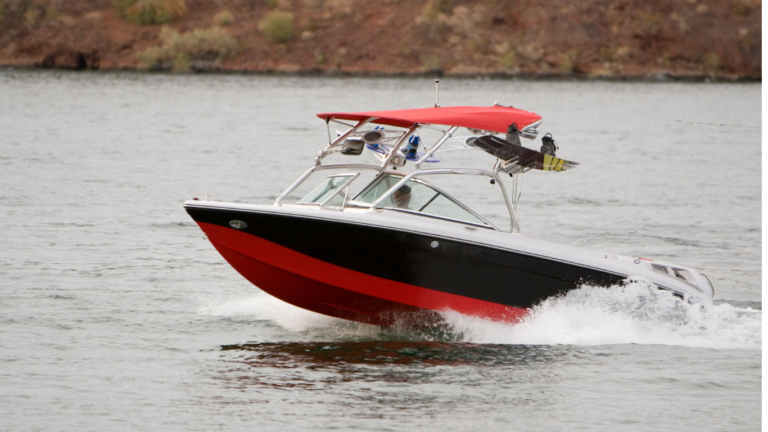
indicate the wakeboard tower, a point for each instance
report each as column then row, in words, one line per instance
column 396, row 244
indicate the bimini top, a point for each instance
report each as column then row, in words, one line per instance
column 496, row 118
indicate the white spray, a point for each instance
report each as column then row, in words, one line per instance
column 636, row 313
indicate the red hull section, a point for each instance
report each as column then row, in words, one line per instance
column 331, row 290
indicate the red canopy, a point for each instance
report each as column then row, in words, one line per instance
column 495, row 118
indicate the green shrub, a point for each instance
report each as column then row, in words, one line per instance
column 182, row 62
column 508, row 61
column 277, row 26
column 339, row 8
column 434, row 18
column 201, row 47
column 440, row 6
column 32, row 17
column 430, row 62
column 740, row 7
column 223, row 18
column 152, row 58
column 206, row 44
column 568, row 60
column 122, row 5
column 319, row 57
column 711, row 64
column 51, row 13
column 150, row 11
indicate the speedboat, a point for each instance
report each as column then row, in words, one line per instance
column 375, row 242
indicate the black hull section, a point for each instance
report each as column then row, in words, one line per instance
column 455, row 267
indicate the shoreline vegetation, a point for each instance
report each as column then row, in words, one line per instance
column 686, row 40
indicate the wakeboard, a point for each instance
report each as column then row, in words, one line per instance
column 517, row 157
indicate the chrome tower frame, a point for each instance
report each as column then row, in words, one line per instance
column 387, row 160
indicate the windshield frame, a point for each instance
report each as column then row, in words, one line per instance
column 343, row 188
column 514, row 226
column 439, row 191
column 374, row 207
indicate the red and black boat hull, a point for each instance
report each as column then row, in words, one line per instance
column 376, row 274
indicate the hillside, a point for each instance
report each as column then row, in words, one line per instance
column 689, row 39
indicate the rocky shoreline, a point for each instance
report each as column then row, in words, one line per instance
column 658, row 77
column 691, row 40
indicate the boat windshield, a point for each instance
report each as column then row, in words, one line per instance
column 417, row 196
column 328, row 192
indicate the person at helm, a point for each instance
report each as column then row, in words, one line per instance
column 402, row 197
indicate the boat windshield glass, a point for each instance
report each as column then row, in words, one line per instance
column 327, row 188
column 418, row 196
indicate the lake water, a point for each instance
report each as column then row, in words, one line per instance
column 116, row 314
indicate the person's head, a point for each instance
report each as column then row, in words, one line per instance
column 402, row 196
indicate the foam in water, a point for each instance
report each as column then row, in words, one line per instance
column 636, row 313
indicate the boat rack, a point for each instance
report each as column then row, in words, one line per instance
column 394, row 157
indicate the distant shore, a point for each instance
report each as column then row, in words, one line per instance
column 611, row 40
column 427, row 74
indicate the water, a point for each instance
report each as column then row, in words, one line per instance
column 115, row 313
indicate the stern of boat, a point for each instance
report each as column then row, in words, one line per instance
column 685, row 279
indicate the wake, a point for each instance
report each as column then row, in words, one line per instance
column 635, row 313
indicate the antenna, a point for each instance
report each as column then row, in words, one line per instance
column 437, row 92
